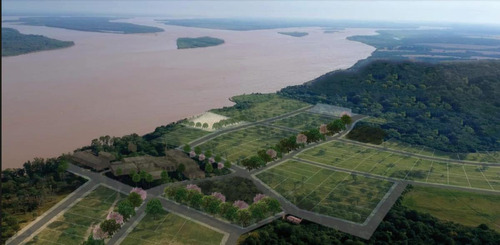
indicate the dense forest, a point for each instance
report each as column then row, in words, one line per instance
column 29, row 191
column 400, row 226
column 15, row 43
column 94, row 24
column 199, row 42
column 448, row 106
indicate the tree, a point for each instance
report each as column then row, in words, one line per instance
column 164, row 177
column 136, row 178
column 244, row 217
column 273, row 205
column 253, row 163
column 197, row 150
column 208, row 153
column 205, row 125
column 258, row 210
column 211, row 204
column 227, row 164
column 218, row 158
column 346, row 119
column 209, row 168
column 186, row 148
column 110, row 226
column 195, row 199
column 198, row 124
column 135, row 199
column 126, row 209
column 92, row 241
column 149, row 179
column 154, row 207
column 180, row 195
column 335, row 126
column 228, row 211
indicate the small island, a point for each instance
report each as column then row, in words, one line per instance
column 198, row 42
column 16, row 43
column 295, row 33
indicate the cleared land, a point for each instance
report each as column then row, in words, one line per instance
column 486, row 157
column 294, row 34
column 238, row 145
column 256, row 107
column 168, row 228
column 209, row 118
column 74, row 226
column 337, row 194
column 304, row 121
column 463, row 207
column 359, row 158
column 198, row 42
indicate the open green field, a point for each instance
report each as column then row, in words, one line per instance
column 181, row 135
column 486, row 157
column 337, row 194
column 379, row 162
column 238, row 145
column 463, row 207
column 304, row 121
column 74, row 226
column 255, row 107
column 169, row 228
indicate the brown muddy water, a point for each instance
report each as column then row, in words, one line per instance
column 112, row 84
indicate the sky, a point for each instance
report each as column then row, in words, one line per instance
column 440, row 11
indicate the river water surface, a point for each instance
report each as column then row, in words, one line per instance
column 112, row 84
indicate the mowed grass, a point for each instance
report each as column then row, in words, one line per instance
column 467, row 208
column 304, row 121
column 485, row 157
column 74, row 226
column 333, row 193
column 181, row 136
column 168, row 228
column 238, row 145
column 256, row 107
column 379, row 162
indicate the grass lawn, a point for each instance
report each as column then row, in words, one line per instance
column 379, row 162
column 304, row 121
column 168, row 228
column 463, row 207
column 238, row 145
column 486, row 157
column 255, row 107
column 337, row 194
column 181, row 135
column 74, row 226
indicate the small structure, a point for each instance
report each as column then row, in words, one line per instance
column 293, row 219
column 88, row 159
column 330, row 110
column 156, row 165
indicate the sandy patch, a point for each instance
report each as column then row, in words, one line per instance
column 209, row 118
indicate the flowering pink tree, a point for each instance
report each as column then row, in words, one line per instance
column 240, row 204
column 323, row 129
column 116, row 216
column 201, row 157
column 272, row 153
column 211, row 160
column 98, row 234
column 193, row 187
column 192, row 154
column 219, row 196
column 301, row 139
column 220, row 165
column 258, row 197
column 141, row 192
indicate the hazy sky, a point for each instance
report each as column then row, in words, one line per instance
column 433, row 11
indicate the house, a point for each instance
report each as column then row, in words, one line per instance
column 156, row 165
column 88, row 159
column 293, row 219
